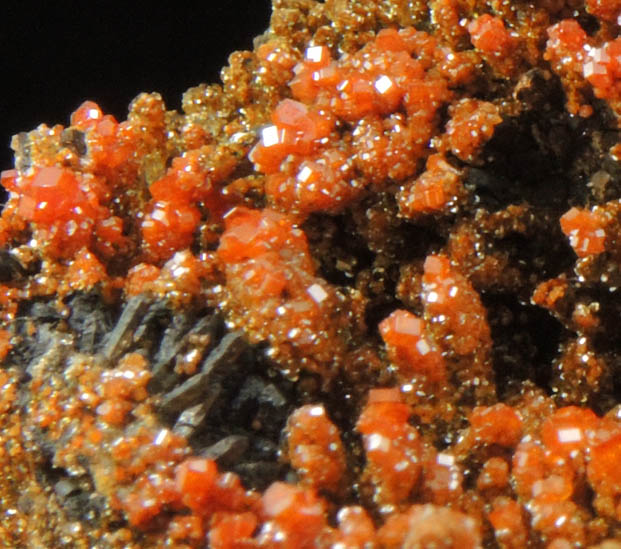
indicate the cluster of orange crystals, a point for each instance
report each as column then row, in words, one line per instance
column 158, row 205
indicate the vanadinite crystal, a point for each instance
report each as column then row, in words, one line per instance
column 363, row 294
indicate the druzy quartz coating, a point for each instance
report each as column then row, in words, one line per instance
column 364, row 293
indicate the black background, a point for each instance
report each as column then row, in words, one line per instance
column 56, row 54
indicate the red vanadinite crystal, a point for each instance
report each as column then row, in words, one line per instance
column 63, row 208
column 567, row 430
column 196, row 479
column 434, row 190
column 507, row 519
column 585, row 230
column 296, row 517
column 566, row 37
column 232, row 530
column 442, row 479
column 169, row 227
column 392, row 446
column 528, row 467
column 362, row 89
column 340, row 171
column 603, row 469
column 86, row 115
column 53, row 194
column 489, row 35
column 430, row 526
column 316, row 71
column 498, row 424
column 139, row 278
column 494, row 474
column 315, row 448
column 251, row 233
column 602, row 68
column 605, row 9
column 84, row 272
column 410, row 348
column 449, row 295
column 271, row 279
column 355, row 528
column 9, row 180
column 109, row 239
column 319, row 183
column 470, row 127
column 296, row 130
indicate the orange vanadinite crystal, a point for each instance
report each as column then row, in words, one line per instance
column 109, row 238
column 128, row 380
column 453, row 306
column 140, row 278
column 494, row 474
column 169, row 227
column 63, row 208
column 603, row 469
column 271, row 280
column 528, row 467
column 195, row 480
column 205, row 491
column 114, row 411
column 410, row 348
column 252, row 233
column 499, row 424
column 392, row 446
column 436, row 189
column 470, row 127
column 321, row 182
column 181, row 277
column 232, row 530
column 377, row 148
column 489, row 35
column 87, row 115
column 362, row 89
column 602, row 69
column 430, row 526
column 110, row 144
column 52, row 194
column 5, row 343
column 69, row 207
column 567, row 431
column 297, row 129
column 507, row 519
column 373, row 80
column 295, row 516
column 552, row 489
column 585, row 230
column 315, row 448
column 604, row 9
column 173, row 214
column 565, row 46
column 389, row 148
column 355, row 528
column 566, row 51
column 559, row 520
column 122, row 386
column 442, row 479
column 84, row 272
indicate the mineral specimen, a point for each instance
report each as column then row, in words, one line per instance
column 363, row 293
